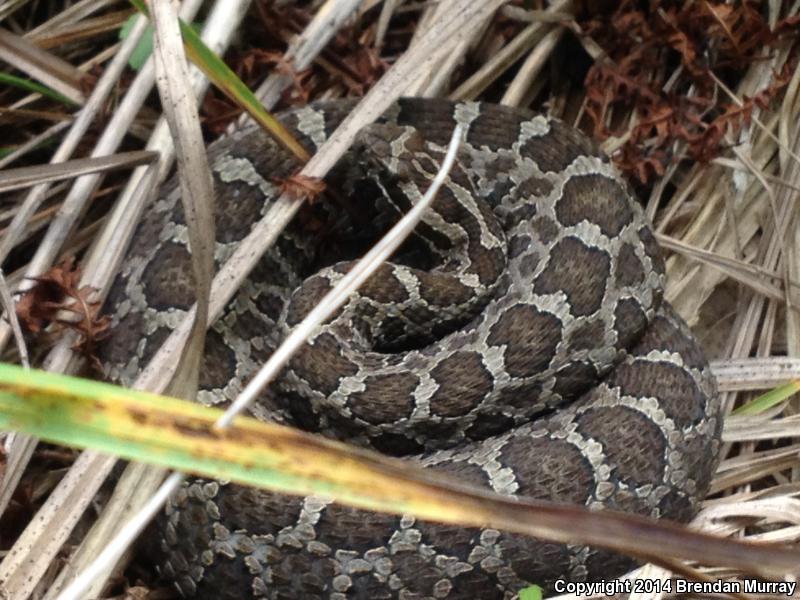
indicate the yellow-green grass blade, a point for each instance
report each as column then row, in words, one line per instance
column 179, row 434
column 227, row 82
column 768, row 399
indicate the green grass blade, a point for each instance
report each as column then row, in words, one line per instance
column 179, row 434
column 227, row 82
column 32, row 86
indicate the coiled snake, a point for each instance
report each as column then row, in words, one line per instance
column 520, row 343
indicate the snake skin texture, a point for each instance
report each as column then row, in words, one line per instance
column 519, row 342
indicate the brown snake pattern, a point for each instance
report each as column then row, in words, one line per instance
column 519, row 343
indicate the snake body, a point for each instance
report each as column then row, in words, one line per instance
column 520, row 343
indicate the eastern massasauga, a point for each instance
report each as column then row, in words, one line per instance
column 520, row 343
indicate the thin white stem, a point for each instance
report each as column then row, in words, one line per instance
column 122, row 541
column 327, row 306
column 7, row 304
column 340, row 292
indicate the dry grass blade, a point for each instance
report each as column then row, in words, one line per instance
column 523, row 82
column 43, row 66
column 87, row 29
column 197, row 186
column 33, row 143
column 536, row 16
column 511, row 52
column 731, row 224
column 7, row 7
column 751, row 468
column 141, row 480
column 120, row 538
column 19, row 573
column 333, row 300
column 749, row 428
column 228, row 83
column 387, row 11
column 68, row 145
column 69, row 16
column 22, row 568
column 751, row 275
column 7, row 303
column 747, row 374
column 306, row 47
column 100, row 268
column 737, row 165
column 289, row 460
column 22, row 177
column 462, row 15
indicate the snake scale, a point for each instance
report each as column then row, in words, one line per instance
column 519, row 342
